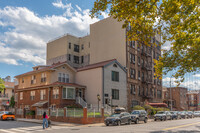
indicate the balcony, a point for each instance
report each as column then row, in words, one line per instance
column 4, row 96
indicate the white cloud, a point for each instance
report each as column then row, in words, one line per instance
column 27, row 34
column 197, row 75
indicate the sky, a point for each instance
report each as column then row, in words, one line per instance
column 27, row 25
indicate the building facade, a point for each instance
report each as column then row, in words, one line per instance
column 6, row 94
column 107, row 40
column 193, row 100
column 179, row 98
column 61, row 85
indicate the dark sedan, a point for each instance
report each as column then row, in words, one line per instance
column 175, row 115
column 118, row 119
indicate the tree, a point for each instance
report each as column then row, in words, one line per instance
column 2, row 86
column 178, row 21
column 12, row 102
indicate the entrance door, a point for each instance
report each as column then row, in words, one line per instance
column 80, row 93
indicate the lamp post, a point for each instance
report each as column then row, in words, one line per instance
column 98, row 98
column 171, row 93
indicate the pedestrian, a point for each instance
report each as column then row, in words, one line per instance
column 45, row 122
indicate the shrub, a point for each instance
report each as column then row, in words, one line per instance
column 137, row 107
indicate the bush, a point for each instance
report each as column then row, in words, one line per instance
column 137, row 107
column 30, row 112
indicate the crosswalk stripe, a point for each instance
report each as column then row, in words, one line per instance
column 6, row 131
column 19, row 130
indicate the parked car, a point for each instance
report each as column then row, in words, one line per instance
column 175, row 115
column 196, row 114
column 118, row 119
column 184, row 115
column 8, row 116
column 190, row 114
column 162, row 115
column 139, row 115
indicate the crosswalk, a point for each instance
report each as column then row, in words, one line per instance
column 34, row 129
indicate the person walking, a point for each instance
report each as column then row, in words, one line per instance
column 45, row 117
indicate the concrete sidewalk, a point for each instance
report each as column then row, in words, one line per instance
column 52, row 122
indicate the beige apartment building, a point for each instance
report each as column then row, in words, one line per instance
column 107, row 40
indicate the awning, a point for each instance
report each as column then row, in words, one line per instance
column 39, row 104
column 158, row 104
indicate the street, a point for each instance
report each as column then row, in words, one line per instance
column 171, row 126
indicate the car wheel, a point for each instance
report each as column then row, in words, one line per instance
column 137, row 121
column 129, row 122
column 145, row 120
column 119, row 123
column 155, row 120
column 165, row 118
column 2, row 118
column 107, row 124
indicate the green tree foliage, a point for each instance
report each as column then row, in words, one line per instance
column 178, row 21
column 2, row 86
column 12, row 102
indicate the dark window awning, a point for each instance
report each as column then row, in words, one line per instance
column 39, row 104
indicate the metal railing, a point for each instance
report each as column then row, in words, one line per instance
column 3, row 95
column 80, row 101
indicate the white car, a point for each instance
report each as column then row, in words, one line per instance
column 196, row 113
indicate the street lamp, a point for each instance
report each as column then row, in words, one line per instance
column 98, row 98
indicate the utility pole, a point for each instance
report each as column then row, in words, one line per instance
column 171, row 93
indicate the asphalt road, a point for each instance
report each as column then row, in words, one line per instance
column 171, row 126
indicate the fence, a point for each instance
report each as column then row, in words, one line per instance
column 19, row 111
column 57, row 112
column 41, row 111
column 74, row 112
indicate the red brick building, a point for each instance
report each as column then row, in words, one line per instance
column 179, row 98
column 193, row 100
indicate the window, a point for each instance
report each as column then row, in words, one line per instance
column 43, row 77
column 115, row 94
column 139, row 91
column 68, row 93
column 82, row 47
column 132, row 44
column 159, row 95
column 76, row 48
column 115, row 76
column 32, row 95
column 76, row 59
column 33, row 79
column 22, row 80
column 53, row 107
column 21, row 95
column 154, row 92
column 63, row 77
column 82, row 59
column 132, row 88
column 55, row 93
column 69, row 45
column 69, row 57
column 138, row 75
column 132, row 58
column 42, row 94
column 138, row 61
column 132, row 73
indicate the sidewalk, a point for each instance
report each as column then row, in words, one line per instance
column 52, row 122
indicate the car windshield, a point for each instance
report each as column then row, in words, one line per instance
column 115, row 115
column 160, row 112
column 9, row 113
column 135, row 112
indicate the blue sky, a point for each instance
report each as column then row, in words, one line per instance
column 27, row 25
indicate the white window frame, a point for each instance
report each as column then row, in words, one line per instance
column 42, row 94
column 21, row 95
column 32, row 95
column 65, row 76
column 55, row 93
column 74, row 96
